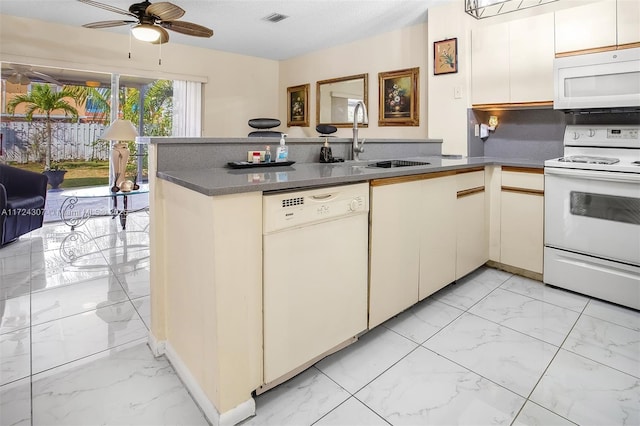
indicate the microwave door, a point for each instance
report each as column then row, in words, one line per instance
column 610, row 83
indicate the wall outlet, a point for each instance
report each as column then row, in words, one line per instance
column 476, row 130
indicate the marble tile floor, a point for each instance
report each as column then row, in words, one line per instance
column 491, row 349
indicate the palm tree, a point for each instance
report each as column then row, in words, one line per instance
column 44, row 100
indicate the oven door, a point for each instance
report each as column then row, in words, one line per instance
column 593, row 212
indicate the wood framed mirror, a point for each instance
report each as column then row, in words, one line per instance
column 336, row 99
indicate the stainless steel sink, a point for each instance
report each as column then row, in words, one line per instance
column 387, row 164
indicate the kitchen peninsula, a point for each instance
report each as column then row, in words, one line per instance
column 206, row 231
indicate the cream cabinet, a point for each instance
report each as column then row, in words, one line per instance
column 490, row 64
column 472, row 238
column 394, row 244
column 589, row 26
column 531, row 54
column 628, row 28
column 412, row 241
column 507, row 67
column 437, row 234
column 522, row 218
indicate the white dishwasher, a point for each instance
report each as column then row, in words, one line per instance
column 315, row 256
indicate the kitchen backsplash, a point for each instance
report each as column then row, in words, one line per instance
column 534, row 133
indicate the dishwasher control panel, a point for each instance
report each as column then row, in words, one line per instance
column 283, row 210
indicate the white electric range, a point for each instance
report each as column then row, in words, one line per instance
column 592, row 214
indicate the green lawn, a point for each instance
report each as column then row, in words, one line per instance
column 79, row 173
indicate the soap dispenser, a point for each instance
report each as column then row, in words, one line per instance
column 282, row 154
column 325, row 152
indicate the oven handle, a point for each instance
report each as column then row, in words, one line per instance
column 593, row 174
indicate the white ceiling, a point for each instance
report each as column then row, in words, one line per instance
column 238, row 25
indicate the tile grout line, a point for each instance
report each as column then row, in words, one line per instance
column 528, row 397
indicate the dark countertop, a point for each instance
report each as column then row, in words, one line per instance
column 221, row 181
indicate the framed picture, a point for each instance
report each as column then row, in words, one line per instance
column 445, row 56
column 398, row 98
column 298, row 106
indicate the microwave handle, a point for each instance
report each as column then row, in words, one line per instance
column 594, row 175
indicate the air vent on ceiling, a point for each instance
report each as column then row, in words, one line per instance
column 275, row 17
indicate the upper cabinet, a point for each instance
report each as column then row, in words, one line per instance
column 490, row 64
column 628, row 21
column 531, row 64
column 601, row 25
column 512, row 62
column 590, row 26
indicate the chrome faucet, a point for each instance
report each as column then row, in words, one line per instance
column 358, row 147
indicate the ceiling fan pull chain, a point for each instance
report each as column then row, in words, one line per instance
column 129, row 43
column 160, row 56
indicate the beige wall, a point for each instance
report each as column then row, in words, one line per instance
column 391, row 51
column 238, row 87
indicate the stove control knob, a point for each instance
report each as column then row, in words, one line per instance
column 576, row 135
column 591, row 133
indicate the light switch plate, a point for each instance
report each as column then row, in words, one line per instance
column 476, row 130
column 457, row 92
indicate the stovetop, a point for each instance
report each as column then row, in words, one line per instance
column 602, row 147
column 589, row 159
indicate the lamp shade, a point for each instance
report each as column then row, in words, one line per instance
column 120, row 130
column 146, row 32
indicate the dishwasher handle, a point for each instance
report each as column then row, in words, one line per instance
column 323, row 197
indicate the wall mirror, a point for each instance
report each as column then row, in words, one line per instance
column 336, row 99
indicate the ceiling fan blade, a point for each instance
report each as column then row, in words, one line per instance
column 164, row 36
column 45, row 77
column 107, row 7
column 108, row 24
column 187, row 28
column 18, row 78
column 165, row 11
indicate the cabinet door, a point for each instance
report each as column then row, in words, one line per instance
column 472, row 238
column 472, row 241
column 628, row 21
column 521, row 230
column 531, row 63
column 438, row 230
column 394, row 249
column 586, row 27
column 522, row 218
column 490, row 64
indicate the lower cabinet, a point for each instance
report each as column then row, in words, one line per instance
column 426, row 231
column 394, row 245
column 522, row 218
column 437, row 235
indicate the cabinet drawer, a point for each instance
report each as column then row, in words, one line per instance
column 515, row 179
column 466, row 180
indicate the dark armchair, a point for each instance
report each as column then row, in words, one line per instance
column 22, row 197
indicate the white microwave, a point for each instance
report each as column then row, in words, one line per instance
column 597, row 80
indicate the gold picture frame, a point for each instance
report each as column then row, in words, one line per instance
column 445, row 56
column 399, row 103
column 298, row 105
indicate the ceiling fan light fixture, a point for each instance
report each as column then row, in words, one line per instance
column 146, row 32
column 18, row 78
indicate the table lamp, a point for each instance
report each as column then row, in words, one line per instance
column 120, row 131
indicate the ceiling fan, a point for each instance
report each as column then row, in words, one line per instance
column 23, row 75
column 151, row 21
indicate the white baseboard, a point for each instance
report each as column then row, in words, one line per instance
column 157, row 347
column 229, row 418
